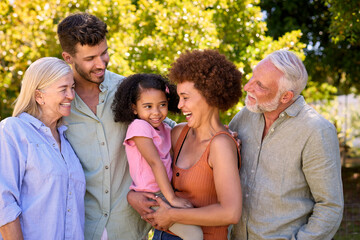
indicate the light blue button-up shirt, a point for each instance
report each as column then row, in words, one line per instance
column 39, row 183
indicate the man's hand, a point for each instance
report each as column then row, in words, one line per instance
column 234, row 135
column 161, row 219
column 142, row 202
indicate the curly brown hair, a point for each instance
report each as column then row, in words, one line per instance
column 80, row 28
column 128, row 93
column 217, row 79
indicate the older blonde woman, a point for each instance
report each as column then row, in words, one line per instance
column 42, row 184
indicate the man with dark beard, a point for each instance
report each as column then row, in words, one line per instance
column 95, row 137
column 291, row 171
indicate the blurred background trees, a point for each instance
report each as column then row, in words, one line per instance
column 144, row 35
column 148, row 35
column 331, row 30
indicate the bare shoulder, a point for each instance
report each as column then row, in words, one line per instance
column 223, row 145
column 223, row 151
column 175, row 132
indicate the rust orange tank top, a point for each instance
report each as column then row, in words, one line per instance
column 196, row 184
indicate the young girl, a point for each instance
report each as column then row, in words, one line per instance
column 144, row 100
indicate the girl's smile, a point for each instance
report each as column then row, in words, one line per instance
column 152, row 106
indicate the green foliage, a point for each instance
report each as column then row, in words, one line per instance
column 26, row 34
column 345, row 21
column 164, row 29
column 144, row 36
column 331, row 30
column 319, row 91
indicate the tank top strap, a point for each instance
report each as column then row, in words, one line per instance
column 180, row 142
column 207, row 151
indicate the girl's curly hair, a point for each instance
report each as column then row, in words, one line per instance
column 129, row 91
column 217, row 79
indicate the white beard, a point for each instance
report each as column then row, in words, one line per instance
column 264, row 107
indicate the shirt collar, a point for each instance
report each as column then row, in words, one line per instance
column 105, row 84
column 37, row 123
column 31, row 119
column 294, row 109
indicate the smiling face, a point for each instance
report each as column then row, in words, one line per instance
column 263, row 93
column 55, row 100
column 89, row 62
column 193, row 104
column 152, row 106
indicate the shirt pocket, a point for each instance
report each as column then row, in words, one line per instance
column 43, row 163
column 45, row 159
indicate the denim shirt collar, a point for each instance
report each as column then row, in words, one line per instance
column 37, row 123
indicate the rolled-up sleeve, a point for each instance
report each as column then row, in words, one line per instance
column 322, row 170
column 11, row 174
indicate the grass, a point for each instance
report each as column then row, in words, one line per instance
column 151, row 234
column 350, row 226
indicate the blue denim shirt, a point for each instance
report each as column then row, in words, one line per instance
column 291, row 179
column 39, row 183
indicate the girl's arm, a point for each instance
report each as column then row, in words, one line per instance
column 148, row 150
column 224, row 161
column 12, row 230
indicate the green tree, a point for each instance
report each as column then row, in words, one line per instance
column 345, row 21
column 235, row 28
column 28, row 32
column 330, row 30
column 144, row 35
column 164, row 29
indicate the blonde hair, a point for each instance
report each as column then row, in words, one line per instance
column 39, row 75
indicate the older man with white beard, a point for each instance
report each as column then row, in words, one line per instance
column 291, row 171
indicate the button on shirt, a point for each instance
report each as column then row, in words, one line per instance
column 98, row 142
column 40, row 184
column 291, row 180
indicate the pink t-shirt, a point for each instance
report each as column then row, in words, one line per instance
column 140, row 171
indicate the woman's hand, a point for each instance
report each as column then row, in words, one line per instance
column 161, row 219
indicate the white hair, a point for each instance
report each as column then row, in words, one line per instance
column 295, row 74
column 39, row 75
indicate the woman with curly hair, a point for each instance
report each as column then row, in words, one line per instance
column 206, row 157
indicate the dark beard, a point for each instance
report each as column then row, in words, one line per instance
column 86, row 76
